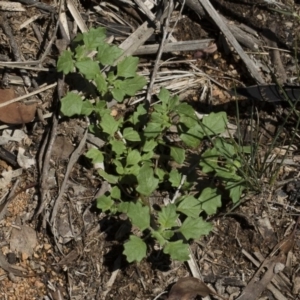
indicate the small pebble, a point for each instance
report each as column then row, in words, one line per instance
column 206, row 266
column 39, row 284
column 47, row 246
column 24, row 256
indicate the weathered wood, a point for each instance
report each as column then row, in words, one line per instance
column 173, row 47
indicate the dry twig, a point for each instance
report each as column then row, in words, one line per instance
column 274, row 263
column 42, row 89
column 173, row 47
column 14, row 46
column 169, row 10
column 223, row 27
column 73, row 159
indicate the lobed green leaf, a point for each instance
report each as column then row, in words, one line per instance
column 185, row 109
column 190, row 206
column 175, row 178
column 138, row 115
column 109, row 124
column 118, row 94
column 224, row 148
column 108, row 177
column 133, row 170
column 173, row 102
column 160, row 173
column 104, row 203
column 215, row 123
column 194, row 228
column 192, row 137
column 87, row 108
column 94, row 38
column 95, row 155
column 115, row 193
column 89, row 68
column 152, row 130
column 210, row 200
column 133, row 158
column 147, row 183
column 127, row 67
column 131, row 85
column 65, row 62
column 149, row 145
column 167, row 234
column 118, row 147
column 209, row 160
column 123, row 207
column 190, row 121
column 235, row 190
column 80, row 52
column 177, row 250
column 139, row 215
column 71, row 105
column 132, row 135
column 164, row 96
column 119, row 167
column 178, row 154
column 167, row 216
column 148, row 156
column 158, row 236
column 101, row 83
column 107, row 54
column 135, row 249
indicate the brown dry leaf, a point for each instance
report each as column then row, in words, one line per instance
column 62, row 148
column 15, row 113
column 188, row 288
column 23, row 240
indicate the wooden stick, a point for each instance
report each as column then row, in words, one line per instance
column 173, row 47
column 227, row 33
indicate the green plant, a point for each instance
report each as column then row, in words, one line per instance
column 137, row 154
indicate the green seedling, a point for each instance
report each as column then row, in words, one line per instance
column 137, row 154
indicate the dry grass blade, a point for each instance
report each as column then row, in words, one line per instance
column 145, row 9
column 64, row 28
column 29, row 21
column 76, row 15
column 179, row 81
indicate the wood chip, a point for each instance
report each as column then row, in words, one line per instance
column 11, row 6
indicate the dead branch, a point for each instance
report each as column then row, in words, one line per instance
column 227, row 33
column 169, row 10
column 174, row 47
